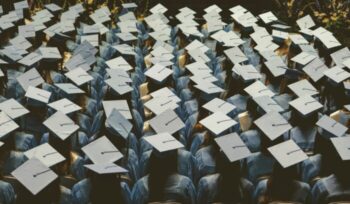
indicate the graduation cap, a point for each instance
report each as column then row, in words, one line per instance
column 163, row 142
column 166, row 93
column 168, row 121
column 235, row 55
column 340, row 56
column 276, row 66
column 268, row 104
column 79, row 76
column 126, row 36
column 77, row 61
column 303, row 58
column 102, row 151
column 46, row 154
column 161, row 104
column 50, row 53
column 34, row 175
column 305, row 22
column 258, row 89
column 209, row 88
column 268, row 17
column 218, row 122
column 233, row 147
column 121, row 87
column 20, row 42
column 107, row 168
column 120, row 105
column 158, row 72
column 330, row 127
column 38, row 94
column 315, row 69
column 69, row 88
column 303, row 88
column 30, row 78
column 341, row 144
column 7, row 125
column 288, row 153
column 273, row 125
column 337, row 74
column 219, row 105
column 117, row 123
column 306, row 105
column 31, row 59
column 13, row 108
column 65, row 106
column 61, row 125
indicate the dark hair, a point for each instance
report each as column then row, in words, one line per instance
column 277, row 182
column 229, row 184
column 105, row 189
column 161, row 166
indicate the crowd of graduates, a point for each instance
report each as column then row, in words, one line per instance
column 102, row 107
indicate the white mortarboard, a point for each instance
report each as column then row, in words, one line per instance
column 119, row 86
column 198, row 68
column 90, row 29
column 158, row 72
column 331, row 126
column 65, row 106
column 79, row 76
column 340, row 56
column 198, row 55
column 209, row 88
column 305, row 22
column 266, row 45
column 298, row 39
column 236, row 55
column 195, row 45
column 303, row 58
column 337, row 74
column 126, row 36
column 120, row 105
column 69, row 88
column 161, row 35
column 329, row 41
column 230, row 39
column 21, row 5
column 61, row 125
column 162, row 61
column 315, row 69
column 34, row 175
column 306, row 105
column 38, row 94
column 276, row 66
column 309, row 49
column 238, row 9
column 13, row 108
column 202, row 78
column 280, row 34
column 259, row 89
column 168, row 121
column 159, row 8
column 119, row 63
column 127, row 26
column 102, row 151
column 27, row 31
column 341, row 145
column 92, row 39
column 119, row 123
column 11, row 53
column 160, row 51
column 213, row 8
column 268, row 104
column 273, row 125
column 7, row 125
column 161, row 104
column 99, row 16
column 164, row 142
column 129, row 16
column 30, row 78
column 20, row 42
column 303, row 88
column 281, row 26
column 268, row 54
column 166, row 93
column 233, row 147
column 46, row 154
column 219, row 105
column 77, row 61
column 218, row 122
column 53, row 7
column 30, row 59
column 107, row 168
column 125, row 49
column 347, row 63
column 261, row 36
column 119, row 74
column 129, row 5
column 288, row 153
column 50, row 53
column 247, row 72
column 268, row 17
